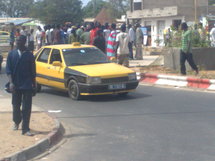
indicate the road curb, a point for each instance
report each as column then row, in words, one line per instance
column 28, row 153
column 177, row 81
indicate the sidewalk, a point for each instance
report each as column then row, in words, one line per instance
column 168, row 79
column 14, row 145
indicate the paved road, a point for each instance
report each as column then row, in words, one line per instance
column 152, row 124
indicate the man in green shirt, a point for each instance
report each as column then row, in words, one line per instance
column 186, row 50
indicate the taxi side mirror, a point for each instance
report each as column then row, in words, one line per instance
column 56, row 63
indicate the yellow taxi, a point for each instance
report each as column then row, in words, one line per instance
column 82, row 70
column 4, row 37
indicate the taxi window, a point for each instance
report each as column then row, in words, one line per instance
column 84, row 56
column 44, row 55
column 55, row 56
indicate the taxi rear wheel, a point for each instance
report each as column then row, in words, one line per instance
column 73, row 90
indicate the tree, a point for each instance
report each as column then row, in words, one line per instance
column 15, row 8
column 211, row 2
column 119, row 7
column 93, row 7
column 57, row 12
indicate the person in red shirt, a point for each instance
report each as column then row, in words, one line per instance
column 93, row 32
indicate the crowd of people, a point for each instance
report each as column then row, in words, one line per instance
column 201, row 37
column 111, row 40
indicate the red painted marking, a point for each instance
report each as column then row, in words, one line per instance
column 149, row 78
column 198, row 83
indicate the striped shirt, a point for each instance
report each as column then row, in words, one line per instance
column 111, row 44
column 185, row 41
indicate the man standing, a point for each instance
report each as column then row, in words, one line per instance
column 1, row 60
column 186, row 49
column 100, row 42
column 212, row 36
column 39, row 37
column 139, row 42
column 122, row 40
column 132, row 39
column 106, row 31
column 21, row 72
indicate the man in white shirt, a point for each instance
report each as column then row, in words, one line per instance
column 122, row 40
column 39, row 37
column 48, row 36
column 131, row 34
column 212, row 36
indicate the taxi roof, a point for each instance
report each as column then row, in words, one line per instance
column 68, row 46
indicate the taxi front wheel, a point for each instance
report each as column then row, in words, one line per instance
column 124, row 94
column 73, row 90
column 38, row 87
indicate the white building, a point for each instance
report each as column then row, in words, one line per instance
column 157, row 15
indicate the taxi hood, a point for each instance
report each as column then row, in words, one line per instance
column 103, row 70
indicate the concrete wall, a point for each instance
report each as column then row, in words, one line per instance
column 149, row 4
column 203, row 57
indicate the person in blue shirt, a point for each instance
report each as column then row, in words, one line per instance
column 21, row 71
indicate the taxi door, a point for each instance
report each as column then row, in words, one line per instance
column 42, row 66
column 56, row 73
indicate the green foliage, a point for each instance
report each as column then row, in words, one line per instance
column 196, row 40
column 116, row 8
column 93, row 8
column 211, row 2
column 119, row 7
column 57, row 12
column 15, row 8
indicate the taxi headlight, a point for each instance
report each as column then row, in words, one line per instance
column 93, row 80
column 132, row 76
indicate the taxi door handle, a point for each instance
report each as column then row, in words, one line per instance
column 48, row 68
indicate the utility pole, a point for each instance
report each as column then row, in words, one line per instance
column 195, row 10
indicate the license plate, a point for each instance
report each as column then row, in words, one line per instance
column 117, row 86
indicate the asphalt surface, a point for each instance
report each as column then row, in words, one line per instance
column 151, row 124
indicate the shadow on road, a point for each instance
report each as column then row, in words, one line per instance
column 100, row 98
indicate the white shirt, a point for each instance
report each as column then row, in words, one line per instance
column 106, row 33
column 38, row 36
column 48, row 36
column 131, row 34
column 23, row 32
column 123, row 39
column 212, row 34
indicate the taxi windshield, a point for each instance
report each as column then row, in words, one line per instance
column 84, row 56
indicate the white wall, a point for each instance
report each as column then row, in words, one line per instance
column 154, row 26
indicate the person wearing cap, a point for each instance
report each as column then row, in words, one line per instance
column 122, row 40
column 21, row 72
column 186, row 49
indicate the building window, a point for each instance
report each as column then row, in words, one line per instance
column 137, row 5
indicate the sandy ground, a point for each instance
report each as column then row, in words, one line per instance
column 13, row 141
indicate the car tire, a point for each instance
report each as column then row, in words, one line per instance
column 73, row 90
column 124, row 94
column 38, row 87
